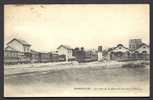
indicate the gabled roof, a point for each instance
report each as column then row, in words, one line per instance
column 23, row 42
column 33, row 51
column 65, row 46
column 110, row 49
column 53, row 52
column 117, row 47
column 122, row 46
column 7, row 48
column 143, row 44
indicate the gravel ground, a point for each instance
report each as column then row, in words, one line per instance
column 73, row 79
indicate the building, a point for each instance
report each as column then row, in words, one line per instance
column 18, row 45
column 17, row 51
column 10, row 48
column 90, row 55
column 136, row 51
column 79, row 54
column 67, row 51
column 35, row 56
column 11, row 56
column 134, row 43
column 14, row 57
column 76, row 52
column 83, row 55
column 55, row 57
column 139, row 49
column 44, row 57
column 142, row 52
column 143, row 48
column 119, row 52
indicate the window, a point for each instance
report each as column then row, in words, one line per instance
column 28, row 49
column 24, row 49
column 144, row 52
column 136, row 52
column 112, row 52
column 119, row 54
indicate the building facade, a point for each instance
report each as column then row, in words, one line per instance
column 119, row 52
column 19, row 45
column 142, row 52
column 65, row 50
column 134, row 43
column 34, row 56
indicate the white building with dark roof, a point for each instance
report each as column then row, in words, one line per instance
column 143, row 48
column 65, row 50
column 142, row 52
column 119, row 52
column 18, row 45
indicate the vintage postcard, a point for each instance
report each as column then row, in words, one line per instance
column 76, row 50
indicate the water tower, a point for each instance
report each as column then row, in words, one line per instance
column 100, row 54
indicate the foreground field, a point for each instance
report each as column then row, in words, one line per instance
column 73, row 79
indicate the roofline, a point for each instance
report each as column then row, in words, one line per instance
column 18, row 41
column 64, row 47
column 11, row 48
column 141, row 46
column 117, row 46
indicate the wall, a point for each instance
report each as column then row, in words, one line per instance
column 66, row 52
column 16, row 45
column 144, row 48
column 100, row 56
column 119, row 53
column 26, row 48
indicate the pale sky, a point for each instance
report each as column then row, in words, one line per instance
column 46, row 27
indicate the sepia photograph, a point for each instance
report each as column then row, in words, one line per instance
column 76, row 50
